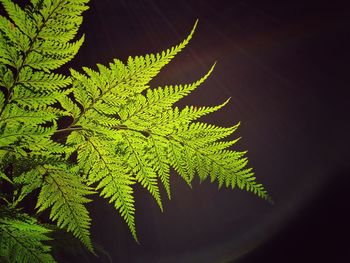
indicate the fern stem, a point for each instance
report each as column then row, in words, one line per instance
column 69, row 129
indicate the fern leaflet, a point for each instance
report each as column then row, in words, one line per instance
column 24, row 241
column 64, row 192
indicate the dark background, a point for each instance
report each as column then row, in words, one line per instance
column 285, row 65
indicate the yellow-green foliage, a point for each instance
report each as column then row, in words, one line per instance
column 122, row 132
column 22, row 240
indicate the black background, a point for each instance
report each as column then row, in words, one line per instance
column 285, row 64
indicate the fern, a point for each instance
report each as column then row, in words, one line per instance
column 34, row 42
column 63, row 191
column 122, row 131
column 24, row 240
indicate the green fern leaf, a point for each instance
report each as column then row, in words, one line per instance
column 160, row 161
column 29, row 181
column 122, row 132
column 118, row 188
column 5, row 177
column 14, row 114
column 20, row 18
column 170, row 120
column 69, row 106
column 25, row 48
column 16, row 131
column 64, row 192
column 157, row 101
column 61, row 19
column 120, row 80
column 52, row 55
column 42, row 82
column 98, row 159
column 24, row 241
column 203, row 135
column 178, row 160
column 144, row 172
column 14, row 35
column 8, row 55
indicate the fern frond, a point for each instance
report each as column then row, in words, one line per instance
column 52, row 55
column 32, row 100
column 157, row 101
column 159, row 159
column 15, row 131
column 178, row 160
column 64, row 192
column 31, row 89
column 15, row 114
column 143, row 170
column 29, row 181
column 203, row 135
column 24, row 241
column 121, row 132
column 5, row 177
column 109, row 90
column 8, row 54
column 142, row 69
column 118, row 188
column 169, row 120
column 225, row 166
column 61, row 19
column 15, row 37
column 20, row 18
column 42, row 82
column 6, row 77
column 197, row 147
column 45, row 147
column 69, row 106
column 99, row 161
